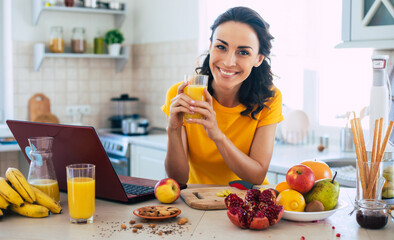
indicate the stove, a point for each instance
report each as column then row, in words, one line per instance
column 118, row 151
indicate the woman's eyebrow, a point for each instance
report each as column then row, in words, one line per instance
column 225, row 43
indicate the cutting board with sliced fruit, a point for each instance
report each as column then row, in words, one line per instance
column 209, row 198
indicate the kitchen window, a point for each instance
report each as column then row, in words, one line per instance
column 6, row 90
column 312, row 74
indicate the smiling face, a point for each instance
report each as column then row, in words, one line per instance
column 234, row 51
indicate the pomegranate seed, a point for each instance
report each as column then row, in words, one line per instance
column 302, row 238
column 333, row 227
column 338, row 235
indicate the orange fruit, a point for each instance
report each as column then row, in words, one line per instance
column 282, row 186
column 291, row 200
column 320, row 169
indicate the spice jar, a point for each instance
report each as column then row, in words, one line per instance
column 78, row 42
column 372, row 213
column 56, row 41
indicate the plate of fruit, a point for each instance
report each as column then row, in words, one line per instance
column 310, row 192
column 312, row 216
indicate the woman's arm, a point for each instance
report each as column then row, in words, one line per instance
column 176, row 162
column 252, row 167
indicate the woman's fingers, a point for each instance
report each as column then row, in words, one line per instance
column 208, row 96
column 181, row 87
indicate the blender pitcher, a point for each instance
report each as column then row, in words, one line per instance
column 41, row 172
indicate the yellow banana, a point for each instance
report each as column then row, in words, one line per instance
column 1, row 213
column 31, row 210
column 3, row 203
column 20, row 184
column 46, row 201
column 9, row 193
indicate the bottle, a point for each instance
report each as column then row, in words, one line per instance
column 56, row 41
column 41, row 172
column 78, row 42
column 98, row 44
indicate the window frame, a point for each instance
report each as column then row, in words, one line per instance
column 6, row 61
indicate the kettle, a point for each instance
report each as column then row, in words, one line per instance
column 135, row 125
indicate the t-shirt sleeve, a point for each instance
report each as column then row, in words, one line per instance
column 272, row 114
column 171, row 93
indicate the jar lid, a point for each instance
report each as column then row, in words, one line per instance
column 124, row 97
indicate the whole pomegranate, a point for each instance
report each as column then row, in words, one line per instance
column 258, row 211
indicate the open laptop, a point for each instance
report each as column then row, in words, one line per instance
column 81, row 144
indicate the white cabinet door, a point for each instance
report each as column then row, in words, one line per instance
column 147, row 162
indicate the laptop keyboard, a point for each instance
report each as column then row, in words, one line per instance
column 137, row 189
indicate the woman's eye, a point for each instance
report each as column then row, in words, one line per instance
column 221, row 47
column 243, row 52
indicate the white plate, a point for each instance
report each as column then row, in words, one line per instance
column 295, row 126
column 312, row 216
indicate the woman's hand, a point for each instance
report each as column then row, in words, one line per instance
column 209, row 121
column 179, row 105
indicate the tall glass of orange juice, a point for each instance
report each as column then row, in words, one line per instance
column 195, row 90
column 81, row 192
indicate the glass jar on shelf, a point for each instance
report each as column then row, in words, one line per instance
column 98, row 43
column 56, row 41
column 78, row 42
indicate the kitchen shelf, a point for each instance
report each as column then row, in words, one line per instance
column 39, row 7
column 40, row 53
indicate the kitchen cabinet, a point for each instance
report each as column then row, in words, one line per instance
column 39, row 7
column 40, row 52
column 147, row 162
column 367, row 23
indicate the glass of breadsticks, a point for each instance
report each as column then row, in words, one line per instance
column 370, row 164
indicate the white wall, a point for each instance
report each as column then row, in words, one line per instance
column 24, row 30
column 161, row 21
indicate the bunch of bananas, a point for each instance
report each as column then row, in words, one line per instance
column 19, row 196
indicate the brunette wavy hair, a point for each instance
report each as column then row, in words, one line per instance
column 256, row 90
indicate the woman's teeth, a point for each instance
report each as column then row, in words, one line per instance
column 227, row 73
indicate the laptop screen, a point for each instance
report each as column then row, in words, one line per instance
column 72, row 144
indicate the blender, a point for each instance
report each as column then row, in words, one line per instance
column 125, row 107
column 380, row 101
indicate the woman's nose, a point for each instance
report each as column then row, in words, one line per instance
column 230, row 59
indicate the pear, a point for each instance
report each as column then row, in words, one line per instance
column 326, row 191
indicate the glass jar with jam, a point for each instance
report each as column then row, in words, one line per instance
column 78, row 42
column 56, row 41
column 372, row 213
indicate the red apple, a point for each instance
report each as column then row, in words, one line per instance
column 300, row 178
column 167, row 190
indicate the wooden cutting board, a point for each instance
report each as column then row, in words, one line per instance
column 38, row 104
column 206, row 198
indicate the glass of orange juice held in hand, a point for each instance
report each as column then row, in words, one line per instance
column 195, row 90
column 81, row 192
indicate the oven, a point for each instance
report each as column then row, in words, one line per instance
column 118, row 151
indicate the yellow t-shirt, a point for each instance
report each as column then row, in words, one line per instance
column 207, row 165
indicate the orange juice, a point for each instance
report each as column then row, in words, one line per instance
column 48, row 186
column 81, row 194
column 195, row 92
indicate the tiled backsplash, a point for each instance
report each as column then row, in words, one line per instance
column 152, row 68
column 156, row 67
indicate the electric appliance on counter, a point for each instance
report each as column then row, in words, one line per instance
column 125, row 107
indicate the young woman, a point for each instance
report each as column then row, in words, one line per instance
column 235, row 138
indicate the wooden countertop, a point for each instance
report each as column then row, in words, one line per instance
column 212, row 224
